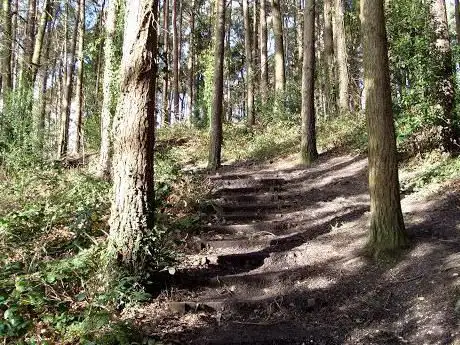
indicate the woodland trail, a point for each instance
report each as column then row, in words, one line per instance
column 281, row 262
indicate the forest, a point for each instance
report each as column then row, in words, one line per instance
column 229, row 172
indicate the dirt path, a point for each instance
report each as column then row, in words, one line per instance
column 281, row 263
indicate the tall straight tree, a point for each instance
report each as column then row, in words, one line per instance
column 6, row 45
column 248, row 64
column 280, row 72
column 387, row 232
column 175, row 57
column 457, row 19
column 308, row 149
column 263, row 50
column 132, row 216
column 445, row 82
column 26, row 64
column 79, row 78
column 191, row 63
column 165, row 89
column 330, row 79
column 107, row 91
column 342, row 56
column 215, row 146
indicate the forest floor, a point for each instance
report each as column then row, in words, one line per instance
column 281, row 260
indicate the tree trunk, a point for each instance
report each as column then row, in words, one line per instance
column 263, row 51
column 165, row 101
column 299, row 31
column 26, row 68
column 132, row 216
column 67, row 95
column 228, row 106
column 248, row 64
column 387, row 231
column 79, row 78
column 7, row 46
column 175, row 58
column 342, row 58
column 280, row 73
column 107, row 91
column 457, row 20
column 14, row 45
column 218, row 82
column 191, row 63
column 445, row 83
column 308, row 149
column 329, row 80
column 37, row 47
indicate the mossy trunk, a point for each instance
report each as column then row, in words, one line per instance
column 387, row 232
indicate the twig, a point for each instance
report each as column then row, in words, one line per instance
column 407, row 280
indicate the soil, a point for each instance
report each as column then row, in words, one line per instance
column 281, row 260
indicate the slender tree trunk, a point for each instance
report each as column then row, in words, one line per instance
column 175, row 58
column 255, row 49
column 387, row 232
column 14, row 45
column 299, row 31
column 445, row 83
column 67, row 96
column 217, row 106
column 99, row 60
column 132, row 217
column 308, row 149
column 165, row 101
column 191, row 63
column 79, row 78
column 263, row 51
column 248, row 64
column 7, row 46
column 38, row 45
column 457, row 20
column 329, row 82
column 342, row 58
column 228, row 98
column 26, row 68
column 280, row 73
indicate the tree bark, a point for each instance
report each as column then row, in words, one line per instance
column 7, row 47
column 330, row 79
column 175, row 58
column 165, row 100
column 445, row 83
column 342, row 56
column 387, row 232
column 38, row 45
column 132, row 216
column 457, row 20
column 79, row 78
column 280, row 73
column 299, row 30
column 263, row 51
column 215, row 146
column 26, row 68
column 308, row 149
column 191, row 63
column 248, row 64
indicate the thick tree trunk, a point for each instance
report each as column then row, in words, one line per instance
column 445, row 83
column 457, row 20
column 79, row 78
column 7, row 46
column 175, row 58
column 248, row 64
column 387, row 231
column 191, row 63
column 107, row 91
column 308, row 149
column 228, row 106
column 165, row 91
column 263, row 51
column 218, row 82
column 329, row 76
column 280, row 73
column 132, row 217
column 342, row 58
column 67, row 94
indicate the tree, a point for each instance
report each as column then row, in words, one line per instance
column 263, row 50
column 7, row 80
column 191, row 62
column 457, row 20
column 107, row 91
column 280, row 73
column 165, row 89
column 308, row 149
column 387, row 232
column 175, row 57
column 132, row 213
column 79, row 77
column 248, row 64
column 218, row 82
column 342, row 56
column 330, row 78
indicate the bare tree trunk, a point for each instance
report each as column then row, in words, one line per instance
column 7, row 46
column 67, row 95
column 132, row 216
column 330, row 79
column 26, row 67
column 255, row 49
column 248, row 64
column 445, row 83
column 342, row 58
column 191, row 63
column 165, row 101
column 457, row 20
column 308, row 149
column 218, row 82
column 263, row 51
column 37, row 47
column 99, row 60
column 175, row 58
column 228, row 106
column 387, row 232
column 280, row 72
column 299, row 30
column 14, row 45
column 79, row 78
